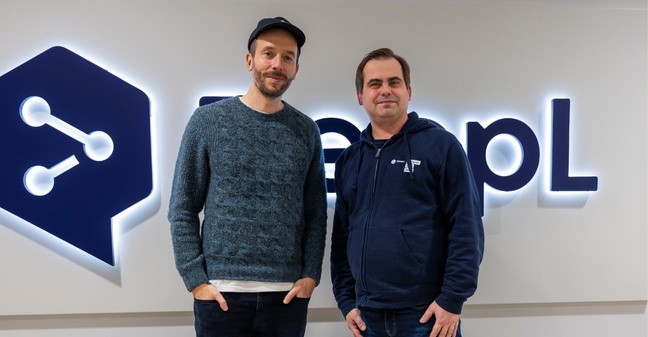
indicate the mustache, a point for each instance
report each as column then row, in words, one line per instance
column 271, row 73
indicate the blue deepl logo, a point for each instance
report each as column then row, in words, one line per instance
column 75, row 143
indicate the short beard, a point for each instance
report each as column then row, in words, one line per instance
column 267, row 91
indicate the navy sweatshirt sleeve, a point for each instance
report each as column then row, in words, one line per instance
column 460, row 204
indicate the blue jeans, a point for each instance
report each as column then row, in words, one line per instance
column 397, row 323
column 251, row 315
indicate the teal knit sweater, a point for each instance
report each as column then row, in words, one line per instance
column 260, row 180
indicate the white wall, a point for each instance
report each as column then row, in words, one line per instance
column 554, row 265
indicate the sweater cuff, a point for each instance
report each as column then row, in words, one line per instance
column 192, row 283
column 194, row 277
column 314, row 277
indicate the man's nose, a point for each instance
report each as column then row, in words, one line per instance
column 385, row 90
column 277, row 63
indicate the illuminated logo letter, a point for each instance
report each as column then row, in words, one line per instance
column 342, row 127
column 560, row 179
column 478, row 139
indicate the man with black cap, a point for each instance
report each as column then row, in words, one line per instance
column 255, row 166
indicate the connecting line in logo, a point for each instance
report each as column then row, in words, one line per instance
column 39, row 180
column 98, row 146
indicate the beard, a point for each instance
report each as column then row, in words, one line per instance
column 267, row 90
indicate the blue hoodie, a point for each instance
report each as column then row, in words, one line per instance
column 407, row 229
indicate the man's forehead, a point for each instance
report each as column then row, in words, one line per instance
column 383, row 69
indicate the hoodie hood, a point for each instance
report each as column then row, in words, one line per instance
column 413, row 125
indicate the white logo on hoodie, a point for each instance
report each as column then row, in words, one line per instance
column 406, row 169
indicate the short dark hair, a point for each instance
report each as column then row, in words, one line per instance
column 381, row 54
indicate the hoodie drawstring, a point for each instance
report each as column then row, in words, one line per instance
column 408, row 156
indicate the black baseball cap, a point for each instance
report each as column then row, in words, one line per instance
column 277, row 22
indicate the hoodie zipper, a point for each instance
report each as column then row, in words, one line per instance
column 375, row 176
column 366, row 232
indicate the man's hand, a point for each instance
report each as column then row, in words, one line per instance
column 355, row 322
column 446, row 322
column 303, row 288
column 209, row 292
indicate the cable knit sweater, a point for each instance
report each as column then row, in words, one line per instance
column 260, row 180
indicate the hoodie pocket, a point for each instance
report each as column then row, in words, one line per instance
column 390, row 260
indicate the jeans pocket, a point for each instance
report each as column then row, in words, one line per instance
column 205, row 302
column 302, row 301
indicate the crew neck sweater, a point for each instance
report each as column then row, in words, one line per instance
column 259, row 179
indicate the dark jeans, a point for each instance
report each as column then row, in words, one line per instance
column 397, row 323
column 252, row 315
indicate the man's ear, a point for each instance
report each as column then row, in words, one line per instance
column 359, row 95
column 248, row 60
